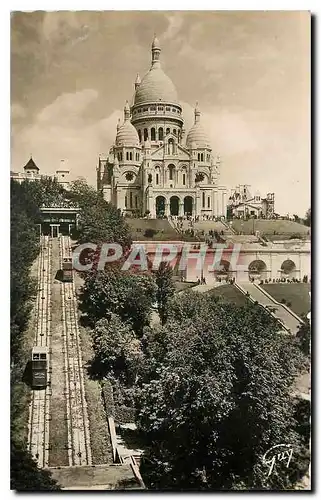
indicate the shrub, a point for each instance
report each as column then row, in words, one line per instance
column 149, row 233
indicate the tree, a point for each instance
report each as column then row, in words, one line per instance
column 165, row 289
column 118, row 351
column 129, row 295
column 219, row 398
column 307, row 220
column 99, row 221
column 304, row 337
column 26, row 475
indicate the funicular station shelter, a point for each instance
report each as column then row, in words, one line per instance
column 58, row 219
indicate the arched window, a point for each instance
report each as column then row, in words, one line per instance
column 157, row 178
column 127, row 155
column 208, row 202
column 153, row 134
column 121, row 156
column 174, row 131
column 130, row 199
column 184, row 179
column 171, row 169
column 131, row 156
column 168, row 131
column 202, row 157
column 145, row 134
column 136, row 201
column 203, row 199
column 160, row 134
column 140, row 135
column 198, row 156
column 125, row 201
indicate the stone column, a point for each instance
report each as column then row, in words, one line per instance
column 214, row 196
column 218, row 211
column 167, row 208
column 181, row 209
column 224, row 204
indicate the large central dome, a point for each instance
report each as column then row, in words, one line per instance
column 156, row 86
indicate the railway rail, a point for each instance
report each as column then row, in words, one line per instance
column 79, row 448
column 39, row 408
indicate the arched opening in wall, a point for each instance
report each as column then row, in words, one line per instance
column 126, row 201
column 198, row 156
column 208, row 202
column 174, row 205
column 288, row 269
column 145, row 134
column 171, row 172
column 184, row 179
column 203, row 199
column 131, row 156
column 174, row 131
column 188, row 205
column 127, row 155
column 130, row 200
column 202, row 156
column 257, row 270
column 157, row 178
column 168, row 131
column 160, row 206
column 140, row 135
column 152, row 134
column 223, row 271
column 160, row 134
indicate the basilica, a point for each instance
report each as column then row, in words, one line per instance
column 154, row 168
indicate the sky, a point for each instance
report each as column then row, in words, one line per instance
column 71, row 73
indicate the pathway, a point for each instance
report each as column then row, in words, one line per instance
column 288, row 319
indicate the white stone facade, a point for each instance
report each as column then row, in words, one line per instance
column 152, row 168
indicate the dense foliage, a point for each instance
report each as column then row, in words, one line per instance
column 165, row 289
column 129, row 295
column 25, row 475
column 218, row 397
column 118, row 350
column 26, row 199
column 99, row 221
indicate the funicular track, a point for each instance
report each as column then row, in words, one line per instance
column 39, row 408
column 79, row 448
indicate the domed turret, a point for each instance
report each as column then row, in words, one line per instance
column 126, row 133
column 155, row 86
column 197, row 134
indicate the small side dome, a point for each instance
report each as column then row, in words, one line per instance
column 197, row 134
column 127, row 135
